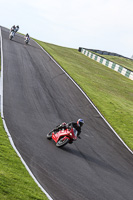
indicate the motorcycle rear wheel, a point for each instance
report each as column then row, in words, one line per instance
column 62, row 142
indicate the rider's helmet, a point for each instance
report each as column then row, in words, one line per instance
column 17, row 26
column 27, row 35
column 80, row 122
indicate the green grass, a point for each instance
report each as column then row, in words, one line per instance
column 111, row 92
column 15, row 181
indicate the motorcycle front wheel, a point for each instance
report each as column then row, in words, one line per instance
column 49, row 135
column 61, row 142
column 10, row 37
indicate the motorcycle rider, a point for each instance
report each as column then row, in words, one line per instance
column 12, row 32
column 27, row 36
column 16, row 28
column 12, row 28
column 77, row 125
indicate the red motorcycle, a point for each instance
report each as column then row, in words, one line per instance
column 63, row 136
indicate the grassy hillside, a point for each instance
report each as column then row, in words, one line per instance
column 111, row 92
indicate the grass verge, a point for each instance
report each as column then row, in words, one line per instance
column 111, row 92
column 15, row 181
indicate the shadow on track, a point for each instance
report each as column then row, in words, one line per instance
column 93, row 161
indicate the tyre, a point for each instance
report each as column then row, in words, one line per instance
column 61, row 142
column 26, row 41
column 10, row 37
column 49, row 135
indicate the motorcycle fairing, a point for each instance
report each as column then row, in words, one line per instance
column 64, row 133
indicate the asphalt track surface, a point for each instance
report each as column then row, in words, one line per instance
column 37, row 96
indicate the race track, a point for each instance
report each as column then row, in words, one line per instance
column 38, row 96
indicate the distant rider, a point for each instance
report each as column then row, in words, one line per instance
column 27, row 36
column 12, row 29
column 16, row 28
column 77, row 125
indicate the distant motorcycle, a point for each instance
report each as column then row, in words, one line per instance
column 27, row 40
column 63, row 137
column 11, row 35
